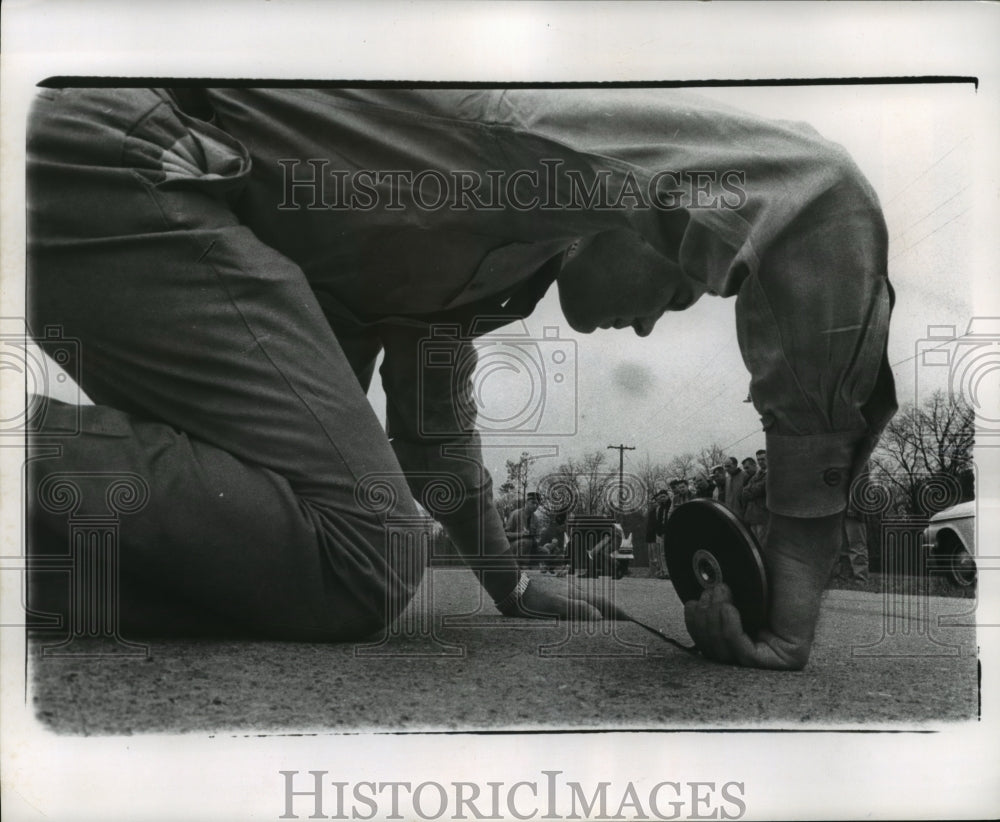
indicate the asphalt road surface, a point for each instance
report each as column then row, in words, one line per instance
column 451, row 663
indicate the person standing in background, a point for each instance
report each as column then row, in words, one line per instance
column 852, row 564
column 522, row 528
column 704, row 488
column 734, row 487
column 720, row 481
column 755, row 495
column 681, row 492
column 656, row 525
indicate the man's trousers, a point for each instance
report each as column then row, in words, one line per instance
column 217, row 379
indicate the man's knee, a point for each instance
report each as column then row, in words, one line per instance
column 201, row 527
column 371, row 570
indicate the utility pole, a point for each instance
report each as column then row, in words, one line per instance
column 621, row 449
column 522, row 476
column 524, row 467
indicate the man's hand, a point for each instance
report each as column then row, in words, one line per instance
column 548, row 597
column 716, row 628
column 799, row 556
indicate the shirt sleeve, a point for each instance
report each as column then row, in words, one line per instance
column 798, row 239
column 812, row 323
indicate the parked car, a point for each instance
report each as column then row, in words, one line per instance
column 950, row 542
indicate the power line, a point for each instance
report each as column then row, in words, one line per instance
column 906, row 250
column 926, row 171
column 725, row 387
column 676, row 425
column 934, row 210
column 910, row 247
column 741, row 439
column 949, row 341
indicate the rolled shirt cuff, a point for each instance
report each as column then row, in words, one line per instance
column 810, row 476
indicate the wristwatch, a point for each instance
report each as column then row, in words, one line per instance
column 513, row 599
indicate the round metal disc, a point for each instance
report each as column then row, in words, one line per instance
column 706, row 544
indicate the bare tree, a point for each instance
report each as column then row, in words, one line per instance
column 579, row 486
column 683, row 466
column 592, row 480
column 561, row 488
column 518, row 472
column 653, row 475
column 924, row 446
column 709, row 456
column 514, row 490
column 506, row 501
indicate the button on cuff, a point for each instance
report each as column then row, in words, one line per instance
column 810, row 476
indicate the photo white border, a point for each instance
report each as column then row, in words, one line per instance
column 951, row 774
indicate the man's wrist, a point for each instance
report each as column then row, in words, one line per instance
column 499, row 581
column 509, row 603
column 809, row 476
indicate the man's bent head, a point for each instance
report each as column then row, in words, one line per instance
column 616, row 279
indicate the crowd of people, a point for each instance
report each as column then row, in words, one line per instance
column 740, row 486
column 539, row 536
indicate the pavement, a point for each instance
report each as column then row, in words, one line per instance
column 450, row 663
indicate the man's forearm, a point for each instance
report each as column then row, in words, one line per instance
column 799, row 556
column 470, row 519
column 479, row 537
